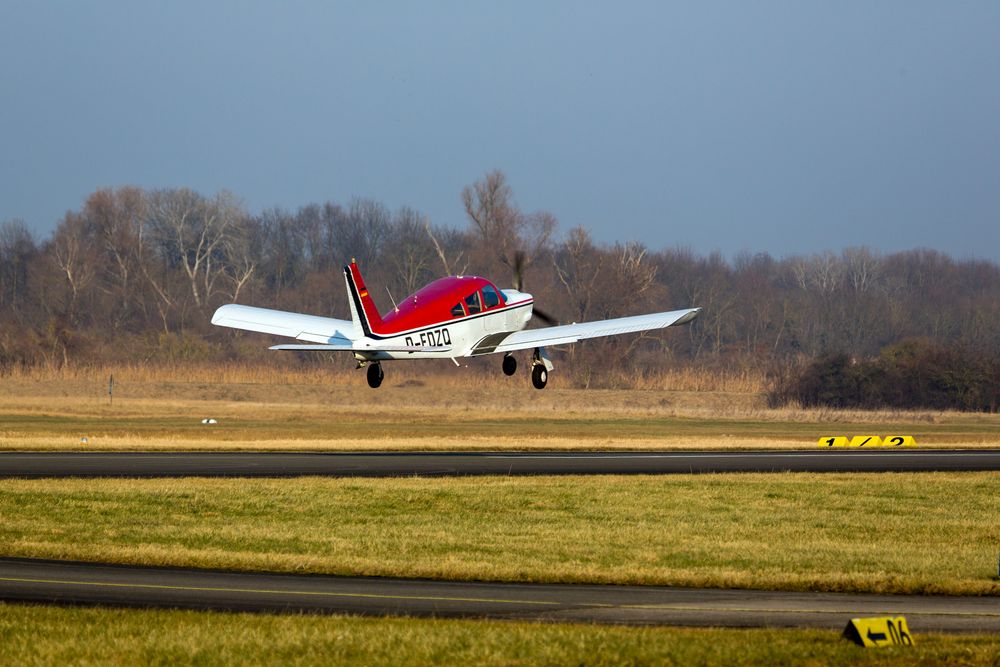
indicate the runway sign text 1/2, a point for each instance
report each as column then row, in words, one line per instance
column 881, row 631
column 867, row 441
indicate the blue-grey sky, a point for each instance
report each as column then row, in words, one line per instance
column 785, row 127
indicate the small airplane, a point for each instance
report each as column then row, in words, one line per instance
column 452, row 317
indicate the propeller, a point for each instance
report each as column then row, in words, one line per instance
column 544, row 317
column 519, row 270
column 519, row 262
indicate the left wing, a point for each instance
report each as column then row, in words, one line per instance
column 310, row 328
column 571, row 333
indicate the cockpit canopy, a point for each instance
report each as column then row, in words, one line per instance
column 452, row 297
column 484, row 298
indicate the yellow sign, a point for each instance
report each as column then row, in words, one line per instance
column 867, row 441
column 882, row 631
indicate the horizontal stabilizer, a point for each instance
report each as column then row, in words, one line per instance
column 355, row 348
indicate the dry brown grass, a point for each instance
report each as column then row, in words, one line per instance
column 441, row 375
column 282, row 408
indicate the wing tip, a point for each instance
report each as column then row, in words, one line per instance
column 687, row 317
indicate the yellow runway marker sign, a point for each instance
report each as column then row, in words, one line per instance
column 881, row 631
column 867, row 441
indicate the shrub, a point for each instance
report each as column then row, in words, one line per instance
column 914, row 373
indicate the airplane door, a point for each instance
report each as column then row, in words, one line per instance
column 474, row 305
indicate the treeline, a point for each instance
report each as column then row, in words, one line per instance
column 135, row 275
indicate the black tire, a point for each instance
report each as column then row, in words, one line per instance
column 375, row 375
column 539, row 376
column 509, row 365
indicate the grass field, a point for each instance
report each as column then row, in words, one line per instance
column 69, row 636
column 932, row 533
column 914, row 533
column 56, row 413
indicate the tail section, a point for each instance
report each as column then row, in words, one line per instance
column 364, row 314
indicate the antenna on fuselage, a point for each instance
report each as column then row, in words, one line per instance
column 394, row 306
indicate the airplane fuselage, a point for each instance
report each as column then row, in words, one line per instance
column 467, row 335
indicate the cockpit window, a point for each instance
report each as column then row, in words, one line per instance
column 472, row 303
column 457, row 310
column 490, row 296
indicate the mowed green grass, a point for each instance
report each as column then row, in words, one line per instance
column 33, row 635
column 912, row 533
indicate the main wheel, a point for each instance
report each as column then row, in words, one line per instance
column 539, row 376
column 375, row 375
column 509, row 365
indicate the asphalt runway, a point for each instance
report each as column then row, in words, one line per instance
column 42, row 581
column 433, row 464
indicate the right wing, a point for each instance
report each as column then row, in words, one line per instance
column 571, row 333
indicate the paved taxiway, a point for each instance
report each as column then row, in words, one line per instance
column 82, row 583
column 428, row 464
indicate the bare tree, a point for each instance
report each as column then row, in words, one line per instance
column 241, row 250
column 410, row 250
column 506, row 236
column 863, row 268
column 489, row 204
column 362, row 232
column 451, row 267
column 115, row 218
column 578, row 265
column 191, row 230
column 70, row 252
column 17, row 247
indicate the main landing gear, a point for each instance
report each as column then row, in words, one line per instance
column 375, row 375
column 539, row 376
column 509, row 364
column 540, row 367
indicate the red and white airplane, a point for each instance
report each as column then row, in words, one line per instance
column 457, row 316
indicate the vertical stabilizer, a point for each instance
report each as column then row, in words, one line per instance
column 364, row 314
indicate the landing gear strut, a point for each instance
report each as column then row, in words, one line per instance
column 375, row 375
column 509, row 364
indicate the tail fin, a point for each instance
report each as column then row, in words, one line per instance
column 364, row 314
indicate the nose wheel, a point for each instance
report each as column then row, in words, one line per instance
column 375, row 375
